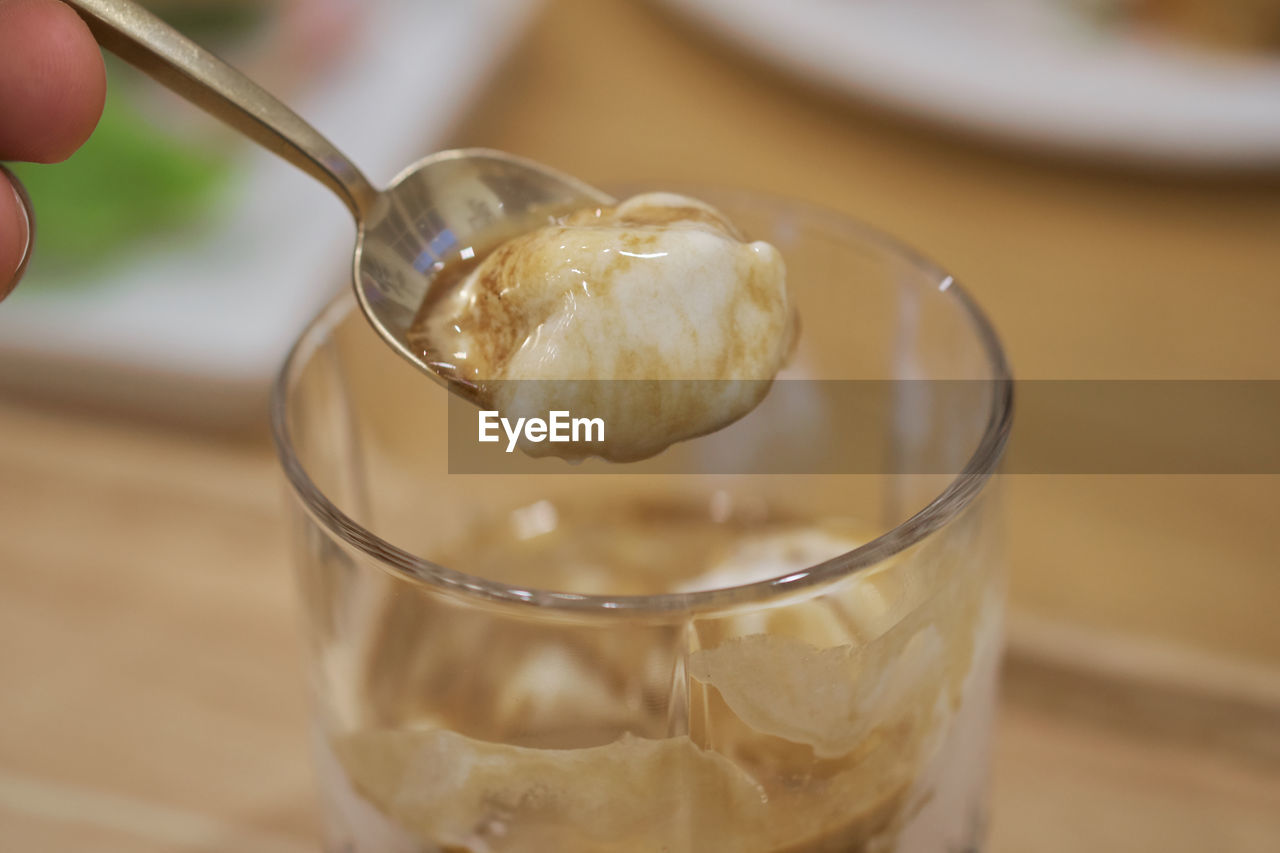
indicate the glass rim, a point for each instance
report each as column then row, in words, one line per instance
column 958, row 494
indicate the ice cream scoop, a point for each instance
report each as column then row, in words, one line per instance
column 654, row 315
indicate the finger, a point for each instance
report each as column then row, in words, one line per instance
column 16, row 230
column 52, row 82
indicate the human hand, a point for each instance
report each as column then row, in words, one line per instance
column 52, row 87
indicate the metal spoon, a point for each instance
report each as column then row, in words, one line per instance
column 438, row 208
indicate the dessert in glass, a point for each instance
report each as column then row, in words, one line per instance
column 606, row 657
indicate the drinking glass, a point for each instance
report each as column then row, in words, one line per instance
column 703, row 659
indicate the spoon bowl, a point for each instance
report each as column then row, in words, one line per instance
column 434, row 211
column 450, row 205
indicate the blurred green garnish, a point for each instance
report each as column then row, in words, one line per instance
column 133, row 180
column 130, row 181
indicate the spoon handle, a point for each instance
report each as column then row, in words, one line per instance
column 145, row 41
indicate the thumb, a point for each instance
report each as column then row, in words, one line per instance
column 17, row 231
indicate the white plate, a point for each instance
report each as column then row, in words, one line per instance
column 198, row 330
column 1027, row 70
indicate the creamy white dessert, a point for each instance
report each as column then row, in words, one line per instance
column 676, row 323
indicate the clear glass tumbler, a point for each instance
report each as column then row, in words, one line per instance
column 662, row 662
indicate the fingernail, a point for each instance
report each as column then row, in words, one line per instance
column 28, row 225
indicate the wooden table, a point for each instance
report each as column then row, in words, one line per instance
column 149, row 649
